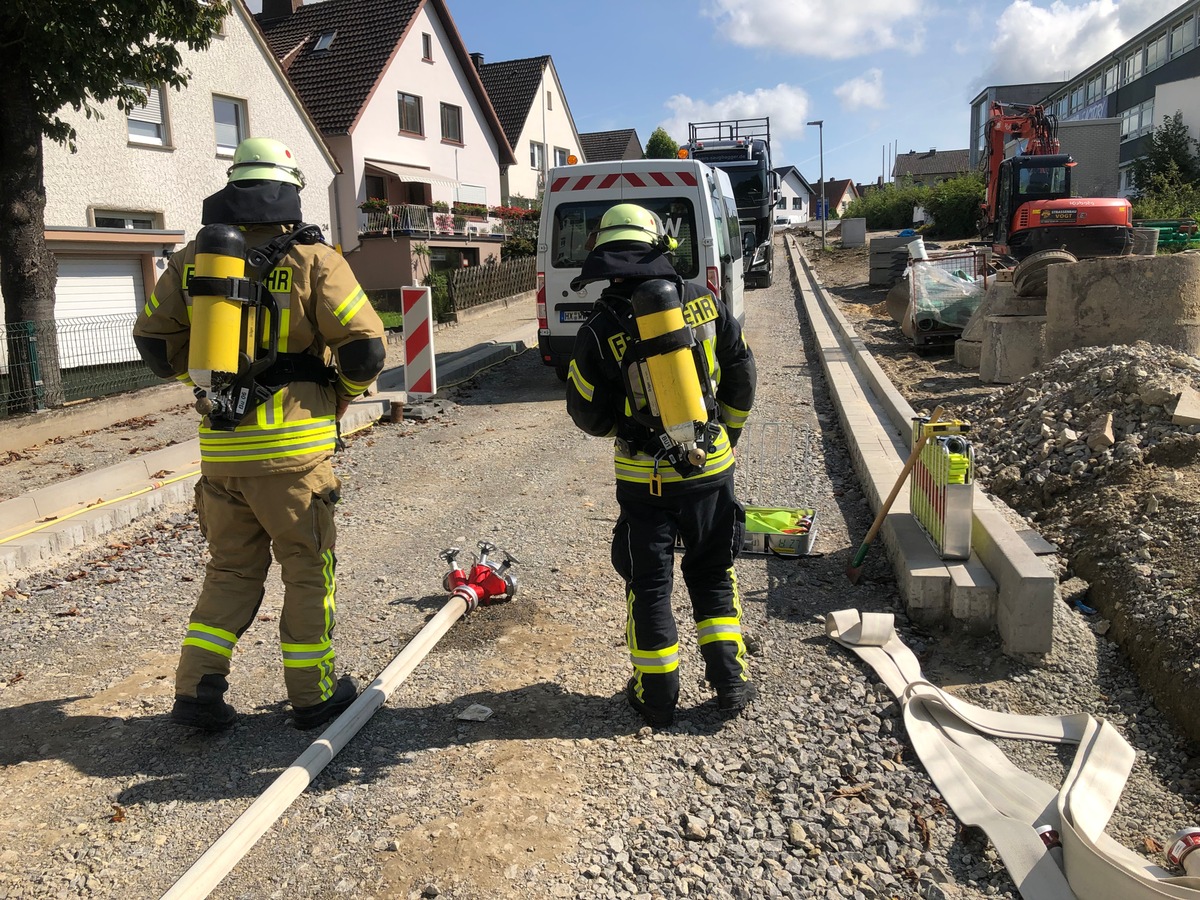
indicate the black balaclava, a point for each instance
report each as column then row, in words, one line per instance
column 630, row 260
column 253, row 202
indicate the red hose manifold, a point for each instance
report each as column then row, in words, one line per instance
column 486, row 583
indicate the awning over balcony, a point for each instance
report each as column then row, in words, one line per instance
column 410, row 173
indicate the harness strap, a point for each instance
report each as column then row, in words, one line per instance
column 289, row 367
column 985, row 789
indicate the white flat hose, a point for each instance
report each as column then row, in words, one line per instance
column 218, row 861
column 985, row 789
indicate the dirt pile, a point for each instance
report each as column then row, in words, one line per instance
column 1086, row 448
column 1086, row 451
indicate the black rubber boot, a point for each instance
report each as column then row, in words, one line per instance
column 207, row 710
column 653, row 715
column 306, row 717
column 733, row 699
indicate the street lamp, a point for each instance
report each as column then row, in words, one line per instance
column 820, row 123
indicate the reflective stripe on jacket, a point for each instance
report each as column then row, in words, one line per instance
column 322, row 308
column 597, row 400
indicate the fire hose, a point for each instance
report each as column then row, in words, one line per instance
column 487, row 582
column 1052, row 841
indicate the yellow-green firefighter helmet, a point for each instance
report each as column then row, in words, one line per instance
column 265, row 159
column 629, row 222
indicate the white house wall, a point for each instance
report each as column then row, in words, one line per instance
column 376, row 134
column 790, row 188
column 553, row 128
column 110, row 173
column 1179, row 96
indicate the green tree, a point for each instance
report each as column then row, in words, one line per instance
column 60, row 53
column 661, row 145
column 1172, row 154
column 954, row 205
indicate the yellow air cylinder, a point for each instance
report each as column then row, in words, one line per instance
column 216, row 338
column 674, row 381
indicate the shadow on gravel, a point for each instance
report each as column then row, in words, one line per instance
column 519, row 379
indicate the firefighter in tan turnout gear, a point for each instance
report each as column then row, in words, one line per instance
column 662, row 367
column 267, row 483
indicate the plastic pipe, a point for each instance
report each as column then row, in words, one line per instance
column 218, row 861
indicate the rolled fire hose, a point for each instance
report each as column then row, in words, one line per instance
column 218, row 861
column 1021, row 814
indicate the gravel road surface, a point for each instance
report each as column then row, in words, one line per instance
column 561, row 792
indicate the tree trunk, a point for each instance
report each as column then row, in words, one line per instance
column 28, row 270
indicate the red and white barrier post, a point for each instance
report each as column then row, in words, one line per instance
column 420, row 372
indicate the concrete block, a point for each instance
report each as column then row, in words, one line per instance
column 1025, row 599
column 17, row 513
column 967, row 353
column 921, row 574
column 1013, row 346
column 973, row 594
column 1001, row 300
column 1119, row 300
column 1187, row 408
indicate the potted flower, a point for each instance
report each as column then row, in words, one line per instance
column 441, row 206
column 374, row 204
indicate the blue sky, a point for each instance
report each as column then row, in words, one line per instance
column 878, row 72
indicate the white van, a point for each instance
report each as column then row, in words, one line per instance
column 697, row 208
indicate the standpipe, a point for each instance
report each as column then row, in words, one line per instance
column 486, row 583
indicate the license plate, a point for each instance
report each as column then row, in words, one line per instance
column 573, row 315
column 1059, row 215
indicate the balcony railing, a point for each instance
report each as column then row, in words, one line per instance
column 424, row 221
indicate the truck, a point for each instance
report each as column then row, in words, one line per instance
column 1030, row 205
column 742, row 149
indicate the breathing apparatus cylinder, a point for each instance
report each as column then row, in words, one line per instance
column 218, row 337
column 669, row 371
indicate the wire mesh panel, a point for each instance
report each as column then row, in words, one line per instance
column 775, row 465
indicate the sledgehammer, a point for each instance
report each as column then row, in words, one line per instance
column 854, row 570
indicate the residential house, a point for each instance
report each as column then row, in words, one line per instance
column 401, row 105
column 533, row 110
column 133, row 191
column 609, row 146
column 838, row 195
column 795, row 196
column 932, row 167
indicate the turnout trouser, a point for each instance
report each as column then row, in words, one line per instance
column 244, row 518
column 712, row 524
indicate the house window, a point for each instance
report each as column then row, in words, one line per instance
column 560, row 156
column 325, row 41
column 549, row 100
column 1112, row 77
column 537, row 155
column 427, row 47
column 1156, row 52
column 230, row 119
column 1093, row 90
column 1133, row 65
column 1182, row 36
column 451, row 123
column 376, row 186
column 797, row 203
column 410, row 114
column 148, row 122
column 109, row 218
column 1077, row 97
column 782, row 204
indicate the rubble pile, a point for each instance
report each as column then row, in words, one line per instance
column 1088, row 415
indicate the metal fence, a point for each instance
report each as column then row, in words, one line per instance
column 426, row 222
column 477, row 285
column 48, row 363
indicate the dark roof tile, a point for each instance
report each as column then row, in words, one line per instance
column 512, row 86
column 605, row 146
column 932, row 162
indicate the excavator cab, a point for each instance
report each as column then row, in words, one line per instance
column 1026, row 179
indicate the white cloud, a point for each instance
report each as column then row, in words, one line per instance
column 1053, row 42
column 833, row 29
column 866, row 91
column 786, row 105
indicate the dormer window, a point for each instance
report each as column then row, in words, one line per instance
column 324, row 41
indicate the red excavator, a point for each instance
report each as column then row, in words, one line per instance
column 1029, row 206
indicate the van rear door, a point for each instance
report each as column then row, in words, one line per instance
column 729, row 244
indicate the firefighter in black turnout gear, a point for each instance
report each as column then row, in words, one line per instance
column 650, row 340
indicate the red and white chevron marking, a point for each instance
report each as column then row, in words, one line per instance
column 623, row 179
column 420, row 375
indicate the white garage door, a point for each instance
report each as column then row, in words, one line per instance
column 95, row 304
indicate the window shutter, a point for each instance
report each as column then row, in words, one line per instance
column 152, row 112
